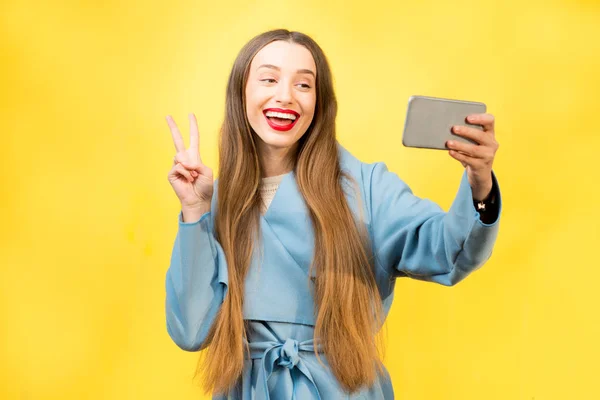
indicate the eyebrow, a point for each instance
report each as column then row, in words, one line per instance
column 300, row 71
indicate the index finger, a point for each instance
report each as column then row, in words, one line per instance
column 177, row 139
column 486, row 120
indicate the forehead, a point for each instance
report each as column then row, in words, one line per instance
column 285, row 55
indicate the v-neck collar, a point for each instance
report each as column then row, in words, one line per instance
column 285, row 195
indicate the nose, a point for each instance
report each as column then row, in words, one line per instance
column 284, row 93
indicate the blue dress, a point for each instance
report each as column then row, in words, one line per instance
column 410, row 237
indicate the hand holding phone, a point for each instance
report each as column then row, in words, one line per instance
column 435, row 123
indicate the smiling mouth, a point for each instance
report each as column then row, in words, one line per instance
column 281, row 120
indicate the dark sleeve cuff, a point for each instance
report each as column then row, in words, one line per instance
column 492, row 209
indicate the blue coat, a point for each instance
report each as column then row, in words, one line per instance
column 410, row 237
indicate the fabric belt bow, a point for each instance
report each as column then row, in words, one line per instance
column 274, row 355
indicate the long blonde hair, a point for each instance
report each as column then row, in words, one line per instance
column 347, row 302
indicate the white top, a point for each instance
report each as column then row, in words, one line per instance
column 268, row 187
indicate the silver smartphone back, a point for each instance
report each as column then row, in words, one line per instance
column 429, row 121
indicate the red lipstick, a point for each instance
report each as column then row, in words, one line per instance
column 278, row 127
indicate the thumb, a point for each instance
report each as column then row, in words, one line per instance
column 190, row 166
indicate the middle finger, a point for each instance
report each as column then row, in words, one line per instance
column 471, row 150
column 472, row 133
column 194, row 135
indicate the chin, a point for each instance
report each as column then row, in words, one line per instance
column 279, row 139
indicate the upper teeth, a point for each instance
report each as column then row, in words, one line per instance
column 280, row 115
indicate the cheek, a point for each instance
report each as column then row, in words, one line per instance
column 255, row 99
column 252, row 107
column 309, row 106
column 312, row 101
column 254, row 118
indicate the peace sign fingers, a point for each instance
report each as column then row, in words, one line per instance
column 190, row 178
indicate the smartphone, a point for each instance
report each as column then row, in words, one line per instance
column 429, row 121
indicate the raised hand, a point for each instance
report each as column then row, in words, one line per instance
column 189, row 177
column 477, row 158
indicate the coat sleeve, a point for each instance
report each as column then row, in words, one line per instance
column 414, row 237
column 196, row 283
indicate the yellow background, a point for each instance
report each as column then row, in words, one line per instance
column 88, row 217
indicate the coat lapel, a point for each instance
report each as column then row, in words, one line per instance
column 287, row 217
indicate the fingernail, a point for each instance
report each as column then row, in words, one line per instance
column 456, row 129
column 450, row 143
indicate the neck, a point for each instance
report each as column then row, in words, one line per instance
column 276, row 160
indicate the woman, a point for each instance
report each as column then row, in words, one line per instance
column 284, row 269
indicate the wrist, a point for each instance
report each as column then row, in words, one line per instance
column 482, row 191
column 193, row 213
column 482, row 195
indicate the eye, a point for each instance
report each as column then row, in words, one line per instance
column 304, row 85
column 268, row 80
